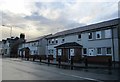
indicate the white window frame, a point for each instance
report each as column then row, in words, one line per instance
column 98, row 32
column 110, row 33
column 78, row 36
column 56, row 40
column 97, row 51
column 59, row 52
column 52, row 51
column 106, row 51
column 72, row 52
column 89, row 34
column 53, row 41
column 62, row 40
column 89, row 51
column 49, row 41
column 49, row 51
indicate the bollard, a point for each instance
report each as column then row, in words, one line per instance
column 34, row 58
column 28, row 58
column 86, row 64
column 48, row 60
column 40, row 59
column 22, row 56
column 71, row 63
column 59, row 61
column 109, row 66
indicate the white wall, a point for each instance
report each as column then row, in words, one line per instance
column 95, row 43
column 6, row 47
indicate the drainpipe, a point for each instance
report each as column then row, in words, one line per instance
column 119, row 41
column 118, row 32
column 113, row 47
column 47, row 48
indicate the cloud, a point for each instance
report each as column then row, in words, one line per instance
column 37, row 17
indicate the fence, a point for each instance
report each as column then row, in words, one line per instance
column 71, row 64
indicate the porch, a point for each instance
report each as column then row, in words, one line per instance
column 68, row 50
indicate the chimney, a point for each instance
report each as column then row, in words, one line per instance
column 22, row 36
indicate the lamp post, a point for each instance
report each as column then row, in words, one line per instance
column 5, row 25
column 10, row 38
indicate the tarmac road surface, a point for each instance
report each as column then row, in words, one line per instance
column 17, row 69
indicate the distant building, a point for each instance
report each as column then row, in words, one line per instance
column 97, row 41
column 10, row 45
column 1, row 49
column 35, row 46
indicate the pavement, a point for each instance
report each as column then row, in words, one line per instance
column 17, row 69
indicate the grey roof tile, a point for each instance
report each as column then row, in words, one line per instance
column 85, row 28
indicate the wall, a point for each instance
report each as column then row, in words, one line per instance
column 95, row 43
column 1, row 47
column 42, row 46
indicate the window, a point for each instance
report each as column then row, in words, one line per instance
column 34, row 51
column 84, row 51
column 56, row 41
column 79, row 36
column 91, row 52
column 63, row 40
column 52, row 51
column 34, row 44
column 108, row 33
column 99, row 51
column 108, row 51
column 59, row 52
column 98, row 35
column 49, row 41
column 52, row 41
column 49, row 51
column 72, row 52
column 90, row 35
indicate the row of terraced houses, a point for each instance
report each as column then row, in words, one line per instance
column 97, row 42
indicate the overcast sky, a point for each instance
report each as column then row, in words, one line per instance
column 38, row 17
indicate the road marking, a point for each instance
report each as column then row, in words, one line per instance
column 82, row 77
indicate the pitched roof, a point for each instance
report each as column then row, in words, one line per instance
column 34, row 39
column 37, row 38
column 86, row 28
column 69, row 45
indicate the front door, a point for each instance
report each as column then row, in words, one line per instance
column 68, row 53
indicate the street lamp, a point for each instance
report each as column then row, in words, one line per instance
column 10, row 30
column 7, row 26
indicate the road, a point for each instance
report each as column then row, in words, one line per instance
column 16, row 69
